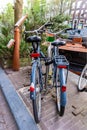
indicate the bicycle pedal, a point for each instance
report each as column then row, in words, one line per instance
column 43, row 74
column 49, row 77
column 50, row 73
column 50, row 82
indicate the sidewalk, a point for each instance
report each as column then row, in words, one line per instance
column 7, row 121
column 75, row 117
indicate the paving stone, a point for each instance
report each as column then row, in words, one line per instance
column 69, row 123
column 78, row 126
column 84, row 113
column 50, row 120
column 77, row 111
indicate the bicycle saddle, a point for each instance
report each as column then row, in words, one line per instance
column 58, row 43
column 33, row 39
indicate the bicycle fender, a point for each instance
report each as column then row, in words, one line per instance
column 32, row 95
column 63, row 98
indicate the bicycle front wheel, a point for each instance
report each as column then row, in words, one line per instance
column 37, row 101
column 82, row 84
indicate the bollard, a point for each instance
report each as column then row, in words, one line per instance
column 16, row 43
column 16, row 62
column 16, row 55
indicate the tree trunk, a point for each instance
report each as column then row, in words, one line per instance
column 18, row 7
column 61, row 6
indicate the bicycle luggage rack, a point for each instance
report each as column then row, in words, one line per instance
column 61, row 61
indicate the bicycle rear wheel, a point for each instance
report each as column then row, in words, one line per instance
column 60, row 108
column 82, row 83
column 37, row 101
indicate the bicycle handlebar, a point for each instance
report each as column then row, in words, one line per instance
column 40, row 30
column 57, row 33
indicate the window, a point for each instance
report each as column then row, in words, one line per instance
column 81, row 11
column 83, row 6
column 79, row 4
column 72, row 12
column 73, row 5
column 77, row 11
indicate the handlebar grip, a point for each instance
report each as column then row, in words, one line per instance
column 49, row 62
column 41, row 31
column 48, row 24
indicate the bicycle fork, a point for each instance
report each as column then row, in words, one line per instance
column 33, row 88
column 32, row 80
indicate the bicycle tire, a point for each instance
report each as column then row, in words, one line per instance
column 82, row 83
column 60, row 109
column 37, row 101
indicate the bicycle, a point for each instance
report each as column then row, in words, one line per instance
column 60, row 63
column 36, row 81
column 82, row 82
column 50, row 37
column 36, row 87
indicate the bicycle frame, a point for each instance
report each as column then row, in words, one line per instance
column 61, row 75
column 36, row 83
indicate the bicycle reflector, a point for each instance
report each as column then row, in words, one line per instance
column 31, row 89
column 63, row 88
column 35, row 55
column 62, row 66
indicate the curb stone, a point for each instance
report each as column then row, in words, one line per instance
column 20, row 113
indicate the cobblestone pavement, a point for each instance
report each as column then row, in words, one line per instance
column 7, row 121
column 75, row 117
